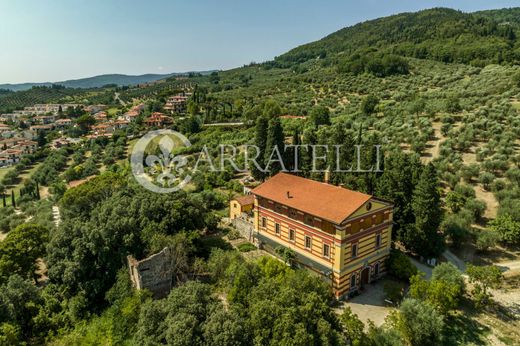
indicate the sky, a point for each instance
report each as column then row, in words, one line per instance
column 56, row 40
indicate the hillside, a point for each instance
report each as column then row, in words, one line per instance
column 440, row 34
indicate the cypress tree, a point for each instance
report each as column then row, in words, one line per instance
column 424, row 238
column 260, row 143
column 37, row 191
column 13, row 202
column 3, row 200
column 275, row 138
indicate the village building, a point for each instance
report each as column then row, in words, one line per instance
column 158, row 119
column 10, row 156
column 177, row 103
column 62, row 123
column 44, row 119
column 101, row 116
column 103, row 129
column 241, row 205
column 35, row 130
column 341, row 234
column 92, row 109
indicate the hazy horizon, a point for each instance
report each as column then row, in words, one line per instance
column 65, row 40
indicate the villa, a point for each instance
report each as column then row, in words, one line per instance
column 341, row 234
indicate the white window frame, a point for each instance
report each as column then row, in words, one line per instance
column 326, row 246
column 310, row 242
column 293, row 233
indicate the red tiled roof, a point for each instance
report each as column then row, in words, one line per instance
column 245, row 200
column 323, row 200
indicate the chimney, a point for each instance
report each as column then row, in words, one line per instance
column 289, row 194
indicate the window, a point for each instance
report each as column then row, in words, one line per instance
column 264, row 222
column 291, row 234
column 326, row 250
column 308, row 242
column 292, row 213
column 353, row 281
column 277, row 228
column 236, row 205
column 378, row 240
column 308, row 220
column 354, row 250
column 376, row 269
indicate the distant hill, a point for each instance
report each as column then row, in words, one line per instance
column 98, row 81
column 440, row 34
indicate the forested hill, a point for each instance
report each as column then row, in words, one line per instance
column 441, row 34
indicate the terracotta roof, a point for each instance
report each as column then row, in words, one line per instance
column 245, row 200
column 323, row 200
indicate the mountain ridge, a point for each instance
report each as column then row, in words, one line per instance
column 99, row 81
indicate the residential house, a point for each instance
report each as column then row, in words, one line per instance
column 9, row 157
column 44, row 119
column 341, row 234
column 177, row 103
column 157, row 119
column 101, row 116
column 35, row 130
column 63, row 123
column 26, row 146
column 240, row 205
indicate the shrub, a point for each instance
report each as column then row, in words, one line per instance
column 418, row 322
column 476, row 207
column 233, row 234
column 246, row 247
column 400, row 266
column 456, row 228
column 486, row 240
column 507, row 228
column 486, row 178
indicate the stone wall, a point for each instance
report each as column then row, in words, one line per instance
column 153, row 273
column 244, row 225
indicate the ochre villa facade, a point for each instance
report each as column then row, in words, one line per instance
column 341, row 234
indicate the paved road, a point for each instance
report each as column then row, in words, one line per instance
column 453, row 259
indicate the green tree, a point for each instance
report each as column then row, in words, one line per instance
column 352, row 325
column 226, row 328
column 320, row 115
column 85, row 121
column 20, row 250
column 442, row 294
column 369, row 104
column 400, row 266
column 424, row 237
column 19, row 303
column 483, row 278
column 260, row 143
column 507, row 228
column 418, row 323
column 275, row 139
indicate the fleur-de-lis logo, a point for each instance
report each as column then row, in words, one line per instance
column 163, row 169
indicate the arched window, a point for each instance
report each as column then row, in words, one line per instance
column 376, row 269
column 353, row 281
